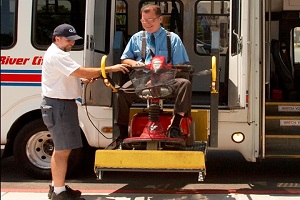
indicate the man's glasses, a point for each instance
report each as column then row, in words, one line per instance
column 150, row 20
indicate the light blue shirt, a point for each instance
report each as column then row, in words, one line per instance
column 134, row 47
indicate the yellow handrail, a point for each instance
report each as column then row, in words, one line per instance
column 102, row 66
column 213, row 74
column 105, row 80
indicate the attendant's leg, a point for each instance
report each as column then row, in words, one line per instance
column 59, row 165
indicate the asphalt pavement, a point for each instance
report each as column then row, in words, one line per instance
column 229, row 177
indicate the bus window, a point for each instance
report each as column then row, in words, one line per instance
column 211, row 16
column 172, row 12
column 296, row 45
column 122, row 17
column 47, row 14
column 102, row 18
column 236, row 27
column 8, row 23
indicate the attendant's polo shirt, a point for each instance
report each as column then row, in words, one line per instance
column 56, row 79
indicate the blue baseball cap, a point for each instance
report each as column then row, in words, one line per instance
column 67, row 31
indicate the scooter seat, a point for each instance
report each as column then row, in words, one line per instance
column 155, row 92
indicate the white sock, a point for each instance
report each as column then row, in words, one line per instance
column 58, row 190
column 52, row 183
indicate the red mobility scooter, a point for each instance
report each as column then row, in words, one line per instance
column 148, row 129
column 148, row 147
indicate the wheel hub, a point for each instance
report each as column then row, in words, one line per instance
column 39, row 149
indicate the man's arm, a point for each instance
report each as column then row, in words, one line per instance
column 132, row 62
column 89, row 73
column 179, row 54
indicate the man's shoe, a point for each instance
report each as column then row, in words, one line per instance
column 65, row 195
column 116, row 144
column 174, row 132
column 75, row 193
column 119, row 144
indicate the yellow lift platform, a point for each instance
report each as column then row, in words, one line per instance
column 150, row 161
column 190, row 159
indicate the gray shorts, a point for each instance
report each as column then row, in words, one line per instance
column 61, row 118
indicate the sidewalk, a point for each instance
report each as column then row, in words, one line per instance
column 126, row 196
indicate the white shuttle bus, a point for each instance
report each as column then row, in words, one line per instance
column 254, row 109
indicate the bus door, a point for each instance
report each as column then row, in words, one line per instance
column 281, row 138
column 98, row 42
column 236, row 73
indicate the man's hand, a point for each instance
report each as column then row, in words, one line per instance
column 88, row 80
column 118, row 68
column 139, row 63
column 132, row 62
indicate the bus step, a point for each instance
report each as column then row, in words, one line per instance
column 282, row 125
column 283, row 146
column 282, row 108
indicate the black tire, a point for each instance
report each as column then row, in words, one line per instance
column 33, row 148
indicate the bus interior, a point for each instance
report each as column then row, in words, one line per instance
column 282, row 44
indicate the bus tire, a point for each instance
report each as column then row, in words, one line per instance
column 33, row 148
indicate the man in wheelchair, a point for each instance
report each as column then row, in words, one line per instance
column 141, row 48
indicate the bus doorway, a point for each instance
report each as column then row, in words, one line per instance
column 282, row 103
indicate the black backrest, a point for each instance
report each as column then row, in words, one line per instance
column 283, row 67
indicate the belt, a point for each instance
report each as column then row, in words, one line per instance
column 59, row 99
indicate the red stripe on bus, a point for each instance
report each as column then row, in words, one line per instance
column 21, row 77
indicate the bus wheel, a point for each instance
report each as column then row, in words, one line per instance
column 33, row 148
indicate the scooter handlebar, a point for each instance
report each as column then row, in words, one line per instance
column 137, row 67
column 187, row 68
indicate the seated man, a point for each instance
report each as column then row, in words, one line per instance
column 139, row 52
